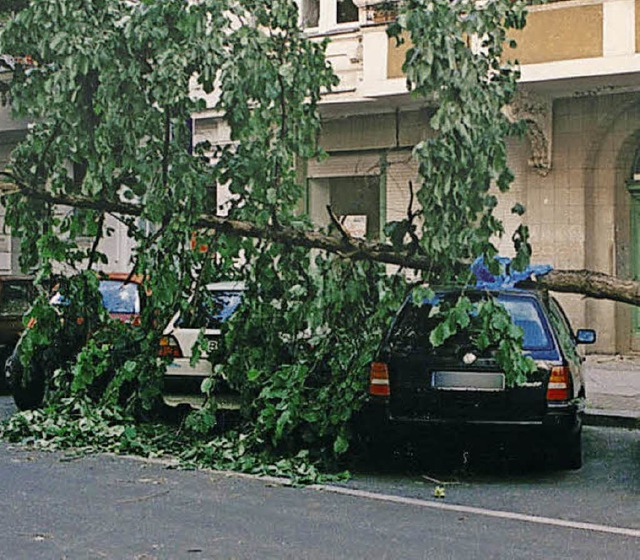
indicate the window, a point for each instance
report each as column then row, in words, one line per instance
column 526, row 315
column 566, row 338
column 310, row 11
column 212, row 310
column 354, row 200
column 347, row 11
column 16, row 296
column 412, row 329
column 327, row 13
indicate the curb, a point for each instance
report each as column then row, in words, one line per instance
column 612, row 418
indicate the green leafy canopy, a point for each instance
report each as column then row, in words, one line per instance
column 110, row 87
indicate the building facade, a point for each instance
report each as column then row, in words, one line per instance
column 577, row 171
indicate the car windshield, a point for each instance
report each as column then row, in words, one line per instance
column 118, row 297
column 412, row 328
column 216, row 307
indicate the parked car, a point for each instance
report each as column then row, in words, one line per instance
column 121, row 298
column 16, row 295
column 207, row 316
column 415, row 386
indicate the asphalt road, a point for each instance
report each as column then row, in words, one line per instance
column 55, row 506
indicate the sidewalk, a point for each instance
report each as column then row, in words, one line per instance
column 613, row 390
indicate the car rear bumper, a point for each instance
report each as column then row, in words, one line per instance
column 182, row 385
column 376, row 417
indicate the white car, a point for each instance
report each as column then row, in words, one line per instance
column 183, row 380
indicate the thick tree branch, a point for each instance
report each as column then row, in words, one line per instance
column 339, row 226
column 588, row 283
column 353, row 248
column 592, row 284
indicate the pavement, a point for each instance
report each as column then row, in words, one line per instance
column 613, row 390
column 59, row 504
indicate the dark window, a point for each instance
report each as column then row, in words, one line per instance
column 354, row 200
column 310, row 13
column 15, row 297
column 347, row 11
column 357, row 196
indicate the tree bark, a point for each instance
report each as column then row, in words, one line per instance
column 592, row 284
column 586, row 282
column 346, row 247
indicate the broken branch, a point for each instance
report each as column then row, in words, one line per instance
column 586, row 282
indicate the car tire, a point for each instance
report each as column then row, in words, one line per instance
column 567, row 451
column 28, row 392
column 5, row 353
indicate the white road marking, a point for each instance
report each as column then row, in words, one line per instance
column 479, row 511
column 390, row 498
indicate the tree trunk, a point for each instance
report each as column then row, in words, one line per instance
column 592, row 284
column 586, row 282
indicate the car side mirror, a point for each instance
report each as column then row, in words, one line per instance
column 585, row 336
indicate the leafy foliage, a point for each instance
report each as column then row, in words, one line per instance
column 307, row 339
column 112, row 85
column 456, row 59
column 10, row 7
column 491, row 328
column 79, row 426
column 463, row 71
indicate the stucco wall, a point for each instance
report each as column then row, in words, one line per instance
column 578, row 214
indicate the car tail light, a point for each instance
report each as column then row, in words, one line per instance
column 379, row 380
column 559, row 388
column 169, row 348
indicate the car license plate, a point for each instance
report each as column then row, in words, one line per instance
column 467, row 381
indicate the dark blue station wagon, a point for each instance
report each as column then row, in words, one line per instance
column 414, row 385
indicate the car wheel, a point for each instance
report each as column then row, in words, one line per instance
column 28, row 390
column 5, row 353
column 567, row 451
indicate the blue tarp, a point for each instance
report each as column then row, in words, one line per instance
column 508, row 278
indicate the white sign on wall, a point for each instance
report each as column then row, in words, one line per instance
column 355, row 225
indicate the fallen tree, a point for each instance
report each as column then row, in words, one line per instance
column 589, row 283
column 111, row 87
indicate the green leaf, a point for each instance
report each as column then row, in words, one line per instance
column 207, row 385
column 340, row 445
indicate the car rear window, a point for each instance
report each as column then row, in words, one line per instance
column 525, row 313
column 213, row 310
column 118, row 297
column 15, row 297
column 413, row 326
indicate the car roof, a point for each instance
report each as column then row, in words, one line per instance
column 495, row 291
column 540, row 295
column 482, row 290
column 226, row 286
